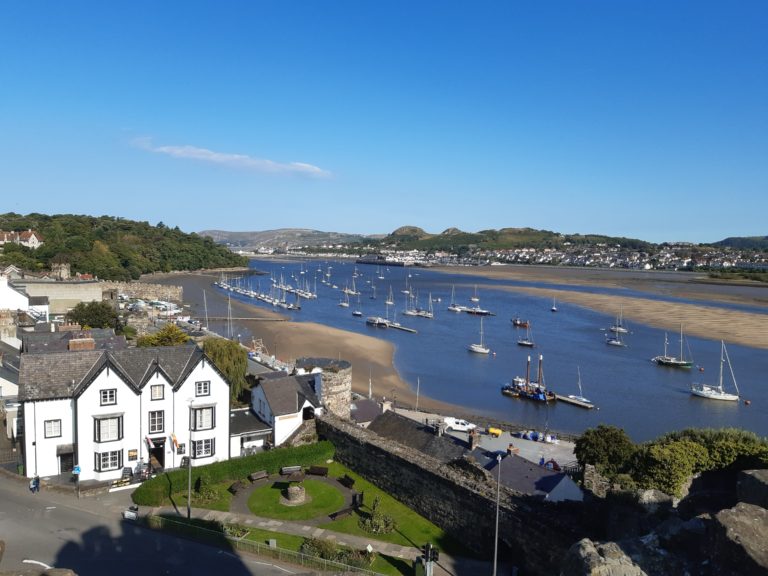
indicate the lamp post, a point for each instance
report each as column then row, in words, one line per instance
column 189, row 465
column 498, row 490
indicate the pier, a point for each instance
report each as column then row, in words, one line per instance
column 574, row 401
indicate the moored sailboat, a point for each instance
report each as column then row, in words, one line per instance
column 672, row 361
column 480, row 348
column 717, row 392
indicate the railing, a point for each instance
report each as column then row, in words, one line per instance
column 215, row 537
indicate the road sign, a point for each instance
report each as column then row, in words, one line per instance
column 76, row 470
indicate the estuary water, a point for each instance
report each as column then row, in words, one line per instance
column 629, row 390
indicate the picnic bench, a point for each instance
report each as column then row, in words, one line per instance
column 236, row 487
column 318, row 470
column 258, row 475
column 288, row 470
column 347, row 481
column 341, row 513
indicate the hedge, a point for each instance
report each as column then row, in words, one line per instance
column 153, row 492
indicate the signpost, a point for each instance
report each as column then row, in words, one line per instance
column 76, row 472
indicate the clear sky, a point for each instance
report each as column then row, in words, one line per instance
column 638, row 118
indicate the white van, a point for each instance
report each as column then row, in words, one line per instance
column 457, row 425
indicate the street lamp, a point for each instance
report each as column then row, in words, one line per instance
column 498, row 490
column 189, row 464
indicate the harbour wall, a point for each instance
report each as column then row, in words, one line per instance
column 460, row 498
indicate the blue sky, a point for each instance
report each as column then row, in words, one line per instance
column 637, row 118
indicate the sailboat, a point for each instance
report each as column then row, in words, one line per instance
column 453, row 307
column 614, row 339
column 479, row 348
column 554, row 305
column 713, row 392
column 475, row 297
column 672, row 361
column 344, row 303
column 357, row 311
column 390, row 301
column 618, row 327
column 583, row 402
column 526, row 340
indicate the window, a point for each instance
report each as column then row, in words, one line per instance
column 104, row 461
column 203, row 418
column 108, row 429
column 203, row 448
column 203, row 388
column 108, row 397
column 156, row 421
column 52, row 428
column 158, row 391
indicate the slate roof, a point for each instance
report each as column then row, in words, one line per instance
column 418, row 436
column 66, row 374
column 520, row 474
column 364, row 410
column 244, row 421
column 9, row 375
column 286, row 395
column 46, row 342
column 11, row 356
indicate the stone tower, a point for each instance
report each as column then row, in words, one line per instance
column 335, row 384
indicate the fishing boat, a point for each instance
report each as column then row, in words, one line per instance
column 519, row 322
column 528, row 390
column 480, row 348
column 672, row 361
column 526, row 340
column 717, row 392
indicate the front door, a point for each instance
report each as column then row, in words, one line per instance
column 66, row 462
column 157, row 454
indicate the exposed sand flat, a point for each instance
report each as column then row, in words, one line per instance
column 703, row 321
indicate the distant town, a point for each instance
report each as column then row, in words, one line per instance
column 678, row 256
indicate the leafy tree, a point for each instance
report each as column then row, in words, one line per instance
column 607, row 447
column 168, row 335
column 231, row 359
column 667, row 467
column 95, row 315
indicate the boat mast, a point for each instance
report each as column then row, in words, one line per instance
column 730, row 368
column 205, row 306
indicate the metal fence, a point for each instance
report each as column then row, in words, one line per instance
column 217, row 538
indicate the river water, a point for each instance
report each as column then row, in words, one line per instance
column 629, row 390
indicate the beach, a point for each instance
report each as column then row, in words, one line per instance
column 372, row 359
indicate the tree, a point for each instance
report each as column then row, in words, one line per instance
column 607, row 447
column 231, row 359
column 95, row 315
column 168, row 335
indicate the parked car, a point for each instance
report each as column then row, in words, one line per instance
column 457, row 425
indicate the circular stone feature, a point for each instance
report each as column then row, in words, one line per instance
column 296, row 494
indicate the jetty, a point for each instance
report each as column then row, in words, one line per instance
column 574, row 401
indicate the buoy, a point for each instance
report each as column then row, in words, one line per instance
column 747, row 402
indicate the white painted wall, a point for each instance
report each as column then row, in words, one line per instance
column 41, row 458
column 8, row 388
column 10, row 299
column 566, row 489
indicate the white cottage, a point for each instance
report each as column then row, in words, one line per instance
column 105, row 410
column 285, row 403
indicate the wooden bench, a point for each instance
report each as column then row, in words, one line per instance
column 236, row 487
column 258, row 475
column 341, row 513
column 288, row 470
column 347, row 481
column 318, row 470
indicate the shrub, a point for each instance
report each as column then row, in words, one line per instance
column 607, row 447
column 377, row 522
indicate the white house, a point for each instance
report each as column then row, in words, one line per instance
column 285, row 403
column 10, row 298
column 105, row 410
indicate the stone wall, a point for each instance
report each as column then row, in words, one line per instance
column 336, row 387
column 459, row 498
column 147, row 291
column 62, row 296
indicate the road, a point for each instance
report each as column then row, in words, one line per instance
column 89, row 537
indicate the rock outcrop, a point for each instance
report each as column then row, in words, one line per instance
column 752, row 487
column 740, row 541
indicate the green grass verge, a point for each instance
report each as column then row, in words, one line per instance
column 265, row 501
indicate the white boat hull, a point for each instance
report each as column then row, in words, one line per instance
column 713, row 393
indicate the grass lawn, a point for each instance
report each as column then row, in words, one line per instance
column 265, row 501
column 412, row 529
column 221, row 500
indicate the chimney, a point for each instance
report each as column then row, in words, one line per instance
column 80, row 344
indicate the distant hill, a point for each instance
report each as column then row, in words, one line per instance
column 413, row 237
column 283, row 238
column 744, row 243
column 111, row 248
